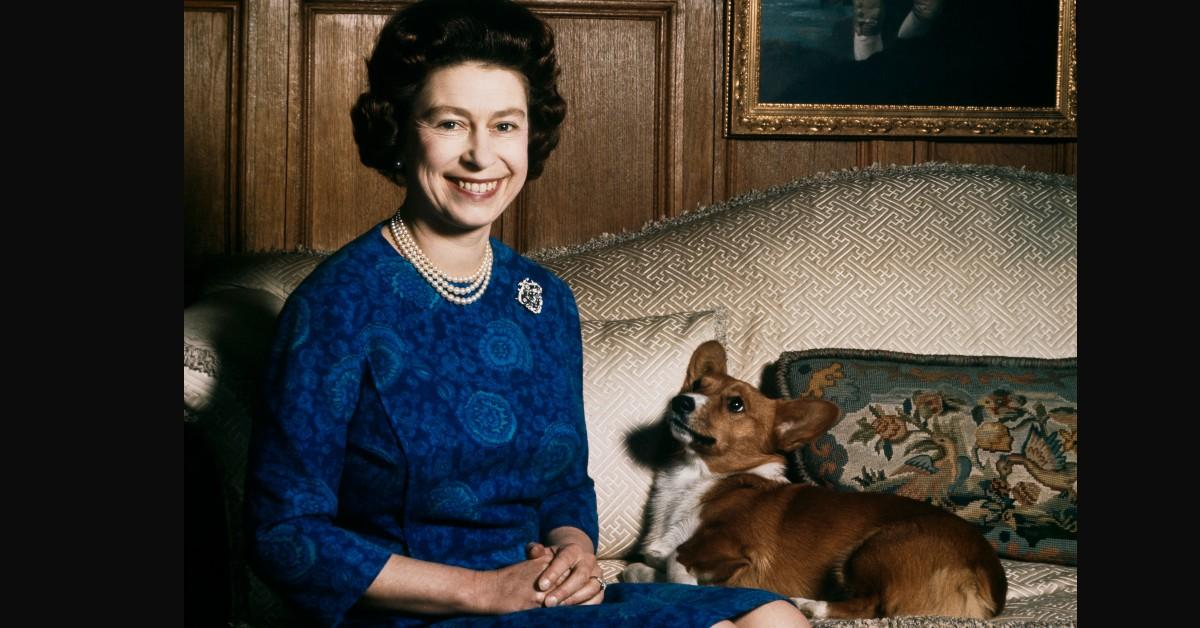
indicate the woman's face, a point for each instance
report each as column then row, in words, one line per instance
column 468, row 154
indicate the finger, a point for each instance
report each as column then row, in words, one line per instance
column 596, row 599
column 578, row 579
column 590, row 589
column 563, row 561
column 535, row 549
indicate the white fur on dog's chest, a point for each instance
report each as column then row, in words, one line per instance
column 675, row 507
column 675, row 504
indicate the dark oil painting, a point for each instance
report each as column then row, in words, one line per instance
column 939, row 53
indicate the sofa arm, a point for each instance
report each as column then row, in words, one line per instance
column 226, row 336
column 226, row 341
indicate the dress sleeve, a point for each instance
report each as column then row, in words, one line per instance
column 297, row 449
column 573, row 503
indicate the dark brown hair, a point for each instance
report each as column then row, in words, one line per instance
column 433, row 34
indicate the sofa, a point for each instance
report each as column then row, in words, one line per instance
column 935, row 304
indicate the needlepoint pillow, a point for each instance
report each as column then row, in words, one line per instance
column 993, row 439
column 632, row 369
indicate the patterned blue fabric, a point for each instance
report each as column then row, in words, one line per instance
column 637, row 605
column 398, row 422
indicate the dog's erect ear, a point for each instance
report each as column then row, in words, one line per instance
column 800, row 421
column 707, row 359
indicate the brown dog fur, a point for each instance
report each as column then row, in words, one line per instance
column 863, row 554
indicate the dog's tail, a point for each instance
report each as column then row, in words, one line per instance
column 982, row 593
column 991, row 588
column 972, row 592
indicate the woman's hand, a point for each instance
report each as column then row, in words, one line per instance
column 512, row 588
column 573, row 576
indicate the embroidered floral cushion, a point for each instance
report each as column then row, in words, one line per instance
column 992, row 439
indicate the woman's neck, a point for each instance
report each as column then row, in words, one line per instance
column 455, row 253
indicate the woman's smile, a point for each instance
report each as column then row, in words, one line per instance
column 477, row 189
column 469, row 153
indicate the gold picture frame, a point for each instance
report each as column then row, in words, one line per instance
column 831, row 92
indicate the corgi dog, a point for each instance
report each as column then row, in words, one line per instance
column 724, row 513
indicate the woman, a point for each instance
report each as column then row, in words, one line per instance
column 423, row 457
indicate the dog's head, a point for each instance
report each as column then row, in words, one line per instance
column 734, row 427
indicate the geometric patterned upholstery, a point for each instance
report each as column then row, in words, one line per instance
column 934, row 258
column 632, row 369
column 1041, row 592
column 277, row 273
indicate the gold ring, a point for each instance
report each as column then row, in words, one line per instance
column 603, row 584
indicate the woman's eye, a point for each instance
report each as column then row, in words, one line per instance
column 506, row 127
column 449, row 125
column 736, row 405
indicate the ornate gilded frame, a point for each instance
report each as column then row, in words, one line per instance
column 745, row 116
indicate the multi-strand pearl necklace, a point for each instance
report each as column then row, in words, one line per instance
column 476, row 283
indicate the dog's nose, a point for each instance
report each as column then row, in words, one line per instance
column 683, row 404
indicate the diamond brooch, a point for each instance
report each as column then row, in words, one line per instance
column 529, row 294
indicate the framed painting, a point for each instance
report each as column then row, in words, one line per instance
column 905, row 68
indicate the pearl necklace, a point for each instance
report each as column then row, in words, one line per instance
column 477, row 283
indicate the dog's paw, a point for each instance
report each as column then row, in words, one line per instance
column 812, row 609
column 679, row 574
column 638, row 572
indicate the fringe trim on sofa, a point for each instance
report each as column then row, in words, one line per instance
column 200, row 360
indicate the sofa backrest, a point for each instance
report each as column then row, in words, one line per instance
column 935, row 258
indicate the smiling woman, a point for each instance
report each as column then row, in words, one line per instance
column 423, row 453
column 469, row 157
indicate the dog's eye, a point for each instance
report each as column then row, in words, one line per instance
column 696, row 385
column 736, row 405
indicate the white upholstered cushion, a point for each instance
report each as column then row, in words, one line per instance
column 632, row 369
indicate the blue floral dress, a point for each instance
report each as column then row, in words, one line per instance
column 397, row 422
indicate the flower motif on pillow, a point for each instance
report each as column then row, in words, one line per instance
column 939, row 429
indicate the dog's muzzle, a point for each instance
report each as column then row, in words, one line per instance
column 682, row 406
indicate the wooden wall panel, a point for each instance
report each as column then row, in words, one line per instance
column 887, row 152
column 754, row 164
column 609, row 171
column 1043, row 156
column 270, row 162
column 266, row 125
column 210, row 147
column 342, row 197
column 698, row 60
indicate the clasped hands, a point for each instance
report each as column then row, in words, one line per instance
column 561, row 574
column 572, row 576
